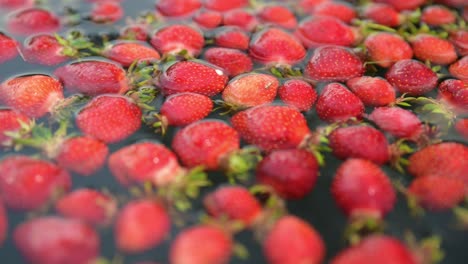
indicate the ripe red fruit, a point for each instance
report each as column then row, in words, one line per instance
column 106, row 12
column 205, row 142
column 373, row 91
column 437, row 193
column 134, row 32
column 91, row 77
column 454, row 93
column 241, row 18
column 309, row 5
column 303, row 242
column 141, row 225
column 399, row 122
column 91, row 206
column 34, row 95
column 173, row 39
column 232, row 61
column 126, row 53
column 110, row 118
column 192, row 76
column 297, row 93
column 43, row 49
column 459, row 69
column 278, row 15
column 403, row 4
column 322, row 65
column 171, row 8
column 14, row 4
column 411, row 77
column 385, row 49
column 27, row 183
column 8, row 48
column 3, row 223
column 337, row 103
column 10, row 121
column 56, row 240
column 231, row 37
column 220, row 5
column 341, row 10
column 273, row 46
column 383, row 14
column 216, row 248
column 250, row 89
column 32, row 20
column 434, row 49
column 185, row 108
column 291, row 172
column 142, row 162
column 360, row 188
column 459, row 39
column 234, row 202
column 208, row 19
column 461, row 126
column 437, row 15
column 271, row 127
column 361, row 141
column 376, row 249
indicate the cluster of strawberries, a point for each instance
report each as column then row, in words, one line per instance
column 121, row 132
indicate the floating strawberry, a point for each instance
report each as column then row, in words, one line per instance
column 220, row 5
column 298, row 93
column 173, row 39
column 231, row 37
column 241, row 18
column 403, row 4
column 383, row 14
column 278, row 15
column 337, row 103
column 232, row 61
column 134, row 32
column 10, row 120
column 309, row 5
column 208, row 19
column 32, row 20
column 459, row 69
column 8, row 48
column 341, row 10
column 437, row 15
column 126, row 53
column 385, row 49
column 373, row 91
column 3, row 224
column 411, row 77
column 177, row 8
column 14, row 4
column 106, row 12
column 454, row 93
column 43, row 49
column 433, row 49
column 459, row 39
column 399, row 122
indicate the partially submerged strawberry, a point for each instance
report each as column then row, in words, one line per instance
column 127, row 53
column 454, row 93
column 341, row 10
column 106, row 12
column 232, row 61
column 433, row 49
column 373, row 91
column 220, row 5
column 437, row 15
column 10, row 120
column 399, row 122
column 171, row 8
column 173, row 39
column 412, row 77
column 278, row 15
column 32, row 20
column 232, row 37
column 459, row 69
column 8, row 48
column 385, row 49
column 383, row 14
column 298, row 93
column 337, row 103
column 43, row 49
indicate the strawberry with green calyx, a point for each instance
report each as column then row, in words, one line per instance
column 77, row 45
column 11, row 121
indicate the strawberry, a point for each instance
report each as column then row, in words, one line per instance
column 303, row 242
column 106, row 12
column 43, row 49
column 126, row 53
column 433, row 49
column 34, row 95
column 373, row 91
column 184, row 108
column 134, row 32
column 10, row 120
column 361, row 189
column 234, row 202
column 231, row 37
column 403, row 4
column 278, row 15
column 171, row 8
column 15, row 4
column 385, row 49
column 32, row 20
column 28, row 184
column 56, row 240
column 291, row 172
column 8, row 48
column 341, row 10
column 92, row 77
column 399, row 122
column 3, row 223
column 172, row 39
column 337, row 103
column 437, row 15
column 141, row 225
column 220, row 5
column 311, row 33
column 459, row 39
column 142, row 162
column 241, row 18
column 376, row 249
column 297, row 93
column 383, row 14
column 461, row 126
column 454, row 93
column 459, row 69
column 437, row 193
column 88, row 205
column 192, row 76
column 360, row 141
column 216, row 248
column 411, row 77
column 250, row 89
column 110, row 118
column 232, row 61
column 271, row 127
column 308, row 6
column 208, row 19
column 273, row 46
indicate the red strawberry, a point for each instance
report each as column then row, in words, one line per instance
column 142, row 162
column 231, row 37
column 271, row 127
column 141, row 225
column 206, row 143
column 434, row 49
column 134, row 32
column 309, row 5
column 341, row 10
column 216, row 248
column 192, row 76
column 437, row 193
column 291, row 172
column 459, row 69
column 110, row 118
column 126, row 53
column 455, row 93
column 403, row 4
column 43, row 49
column 82, row 155
column 14, row 4
column 297, row 93
column 56, row 240
column 278, row 15
column 322, row 65
column 411, row 77
column 27, row 183
column 437, row 15
column 232, row 61
column 381, row 249
column 32, row 20
column 185, row 108
column 173, row 39
column 10, row 120
column 459, row 39
column 273, row 46
column 250, row 89
column 171, row 8
column 361, row 189
column 311, row 33
column 208, row 19
column 92, row 77
column 8, row 48
column 220, row 5
column 373, row 91
column 337, row 103
column 385, row 49
column 241, row 18
column 89, row 205
column 106, row 12
column 235, row 202
column 34, row 95
column 461, row 126
column 361, row 141
column 383, row 14
column 3, row 223
column 399, row 122
column 303, row 242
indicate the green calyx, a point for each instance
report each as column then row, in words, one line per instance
column 239, row 164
